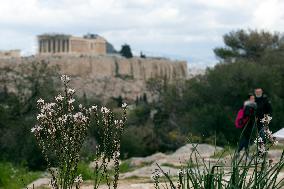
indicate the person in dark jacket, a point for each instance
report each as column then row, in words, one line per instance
column 263, row 107
column 250, row 108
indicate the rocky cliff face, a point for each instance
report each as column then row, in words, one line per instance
column 109, row 76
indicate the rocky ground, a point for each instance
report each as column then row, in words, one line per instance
column 139, row 177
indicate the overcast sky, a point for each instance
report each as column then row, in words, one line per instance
column 179, row 29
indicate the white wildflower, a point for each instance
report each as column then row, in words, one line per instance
column 266, row 119
column 40, row 101
column 52, row 104
column 104, row 110
column 33, row 129
column 116, row 154
column 80, row 106
column 180, row 172
column 59, row 98
column 49, row 131
column 70, row 91
column 65, row 78
column 40, row 116
column 64, row 118
column 94, row 107
column 71, row 101
column 124, row 105
column 155, row 175
column 36, row 128
column 79, row 117
column 78, row 179
column 47, row 107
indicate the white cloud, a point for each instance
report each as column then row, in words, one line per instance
column 269, row 15
column 182, row 28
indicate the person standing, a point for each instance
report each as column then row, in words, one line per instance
column 249, row 115
column 263, row 108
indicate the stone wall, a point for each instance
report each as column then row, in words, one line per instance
column 109, row 76
column 10, row 54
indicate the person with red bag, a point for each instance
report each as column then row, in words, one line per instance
column 246, row 121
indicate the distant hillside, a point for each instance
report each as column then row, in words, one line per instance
column 108, row 76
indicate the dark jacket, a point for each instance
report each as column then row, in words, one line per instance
column 263, row 106
column 250, row 112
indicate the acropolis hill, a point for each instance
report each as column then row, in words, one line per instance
column 97, row 73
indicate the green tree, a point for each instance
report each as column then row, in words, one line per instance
column 126, row 51
column 208, row 104
column 250, row 44
column 17, row 111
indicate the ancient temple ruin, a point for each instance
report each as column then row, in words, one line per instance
column 61, row 44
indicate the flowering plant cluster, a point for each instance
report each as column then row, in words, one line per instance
column 110, row 132
column 60, row 132
column 265, row 137
column 156, row 177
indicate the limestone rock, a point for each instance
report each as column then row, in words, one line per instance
column 39, row 183
column 148, row 171
column 138, row 161
column 182, row 155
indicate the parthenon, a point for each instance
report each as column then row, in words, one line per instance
column 89, row 44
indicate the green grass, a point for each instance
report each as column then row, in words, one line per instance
column 86, row 172
column 125, row 166
column 12, row 177
column 241, row 173
column 277, row 147
column 173, row 166
column 223, row 153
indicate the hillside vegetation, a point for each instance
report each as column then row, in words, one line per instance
column 201, row 109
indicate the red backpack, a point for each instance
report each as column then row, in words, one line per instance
column 241, row 120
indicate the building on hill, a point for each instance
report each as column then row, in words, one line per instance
column 62, row 44
column 10, row 53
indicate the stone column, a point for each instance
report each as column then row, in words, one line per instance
column 63, row 45
column 42, row 46
column 59, row 46
column 39, row 46
column 56, row 45
column 53, row 45
column 45, row 45
column 68, row 46
column 49, row 46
